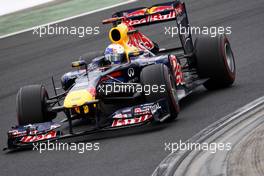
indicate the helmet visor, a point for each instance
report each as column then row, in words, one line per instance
column 114, row 58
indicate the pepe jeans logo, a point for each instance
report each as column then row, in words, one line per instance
column 130, row 72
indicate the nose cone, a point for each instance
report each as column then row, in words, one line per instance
column 77, row 98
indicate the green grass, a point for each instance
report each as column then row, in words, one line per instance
column 30, row 18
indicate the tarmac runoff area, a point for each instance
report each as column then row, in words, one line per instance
column 244, row 129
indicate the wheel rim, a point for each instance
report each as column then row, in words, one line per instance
column 229, row 58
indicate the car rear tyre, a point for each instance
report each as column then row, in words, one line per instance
column 215, row 60
column 160, row 75
column 32, row 105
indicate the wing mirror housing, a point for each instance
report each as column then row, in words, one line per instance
column 79, row 63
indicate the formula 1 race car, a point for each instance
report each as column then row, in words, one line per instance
column 149, row 83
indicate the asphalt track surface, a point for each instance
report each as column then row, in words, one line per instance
column 27, row 59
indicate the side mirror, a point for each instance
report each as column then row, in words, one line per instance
column 79, row 63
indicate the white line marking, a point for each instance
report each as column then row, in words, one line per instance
column 69, row 18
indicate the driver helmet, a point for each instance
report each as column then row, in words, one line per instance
column 115, row 53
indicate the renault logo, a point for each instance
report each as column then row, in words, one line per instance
column 130, row 72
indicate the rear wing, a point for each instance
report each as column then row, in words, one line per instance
column 154, row 14
column 158, row 13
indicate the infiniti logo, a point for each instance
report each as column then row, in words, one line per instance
column 130, row 72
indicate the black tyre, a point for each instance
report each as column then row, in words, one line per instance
column 159, row 75
column 215, row 60
column 32, row 106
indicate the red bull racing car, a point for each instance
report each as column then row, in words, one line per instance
column 149, row 81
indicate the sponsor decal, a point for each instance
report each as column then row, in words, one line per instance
column 120, row 116
column 152, row 18
column 131, row 72
column 138, row 38
column 33, row 132
column 115, row 74
column 177, row 70
column 142, row 110
column 137, row 110
column 124, row 122
column 155, row 17
column 154, row 108
column 49, row 135
column 16, row 133
column 145, row 11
